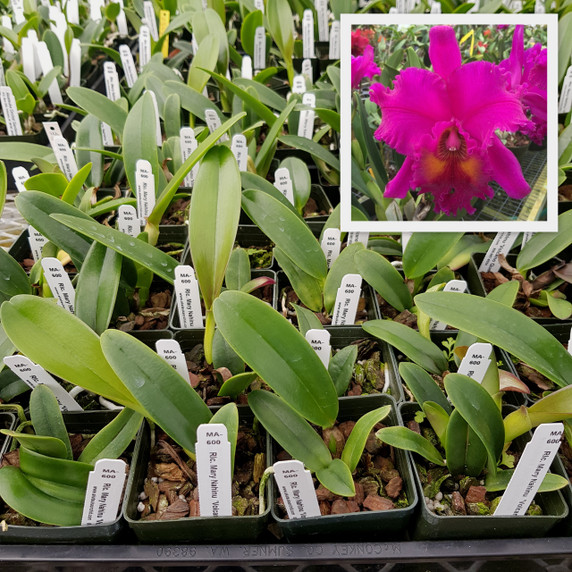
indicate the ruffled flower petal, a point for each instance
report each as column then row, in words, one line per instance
column 444, row 50
column 399, row 186
column 506, row 171
column 363, row 66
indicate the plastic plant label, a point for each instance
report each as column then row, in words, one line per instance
column 436, row 8
column 320, row 342
column 103, row 492
column 531, row 470
column 526, row 236
column 214, row 470
column 283, row 182
column 64, row 157
column 52, row 129
column 144, row 47
column 213, row 123
column 401, row 6
column 36, row 240
column 95, row 7
column 32, row 375
column 296, row 489
column 476, row 361
column 308, row 35
column 347, row 300
column 501, row 245
column 240, row 151
column 47, row 66
column 28, row 59
column 7, row 45
column 106, row 135
column 145, row 189
column 2, row 76
column 334, row 51
column 259, row 48
column 306, row 123
column 20, row 176
column 127, row 220
column 307, row 71
column 111, row 77
column 121, row 22
column 565, row 101
column 194, row 43
column 451, row 286
column 188, row 297
column 539, row 7
column 164, row 20
column 405, row 236
column 18, row 11
column 128, row 65
column 188, row 144
column 309, row 99
column 72, row 11
column 298, row 84
column 259, row 5
column 75, row 63
column 246, row 67
column 516, row 6
column 331, row 244
column 59, row 283
column 171, row 352
column 158, row 133
column 150, row 19
column 10, row 111
column 322, row 11
column 355, row 236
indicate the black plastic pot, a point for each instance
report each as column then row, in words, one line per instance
column 352, row 526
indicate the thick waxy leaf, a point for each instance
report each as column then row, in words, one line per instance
column 355, row 443
column 237, row 384
column 499, row 482
column 68, row 493
column 503, row 327
column 76, row 184
column 194, row 102
column 315, row 149
column 425, row 249
column 337, row 478
column 205, row 59
column 251, row 21
column 137, row 250
column 24, row 152
column 301, row 181
column 344, row 264
column 416, row 347
column 225, row 356
column 228, row 416
column 438, row 418
column 465, row 452
column 52, row 183
column 163, row 394
column 561, row 309
column 238, row 270
column 62, row 344
column 442, row 276
column 61, row 471
column 88, row 137
column 460, row 254
column 268, row 96
column 378, row 272
column 49, row 446
column 404, row 438
column 341, row 368
column 505, row 293
column 307, row 320
column 99, row 105
column 253, row 181
column 208, row 22
column 280, row 355
column 13, row 278
column 422, row 385
column 279, row 23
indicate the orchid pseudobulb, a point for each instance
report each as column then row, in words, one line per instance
column 444, row 121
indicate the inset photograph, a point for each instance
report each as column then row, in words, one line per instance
column 449, row 123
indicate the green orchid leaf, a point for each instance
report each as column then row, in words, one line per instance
column 371, row 144
column 438, row 417
column 107, row 206
column 315, row 149
column 417, row 348
column 561, row 309
column 378, row 272
column 172, row 117
column 205, row 59
column 337, row 478
column 49, row 446
column 425, row 249
column 208, row 22
column 355, row 443
column 344, row 264
column 61, row 343
column 251, row 21
column 341, row 368
column 228, row 416
column 266, row 95
column 3, row 186
column 266, row 341
column 404, row 438
column 15, row 280
column 307, row 320
column 279, row 24
column 460, row 253
column 163, row 394
column 51, row 183
column 235, row 385
column 442, row 276
column 89, row 148
column 257, row 283
column 194, row 102
column 464, row 450
column 499, row 482
column 67, row 493
column 23, row 152
column 238, row 270
column 76, row 184
column 503, row 327
column 422, row 385
column 253, row 181
column 100, row 106
column 505, row 293
column 225, row 356
column 301, row 181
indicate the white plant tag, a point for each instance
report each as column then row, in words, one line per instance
column 296, row 489
column 259, row 48
column 213, row 123
column 259, row 5
column 246, row 67
column 331, row 244
column 28, row 58
column 501, row 245
column 103, row 492
column 59, row 283
column 451, row 286
column 145, row 189
column 64, row 157
column 298, row 84
column 283, row 182
column 150, row 19
column 476, row 361
column 307, row 71
column 170, row 351
column 306, row 123
column 95, row 7
column 334, row 52
column 47, row 66
column 144, row 47
column 436, row 8
column 401, row 6
column 127, row 221
column 347, row 300
column 128, row 65
column 570, row 343
column 355, row 236
column 405, row 236
column 565, row 101
column 539, row 7
column 320, row 342
column 32, row 375
column 36, row 242
column 188, row 144
column 213, row 470
column 526, row 236
column 20, row 175
column 121, row 22
column 10, row 111
column 531, row 469
column 52, row 129
column 322, row 12
column 194, row 44
column 72, row 11
column 112, row 89
column 188, row 297
column 18, row 11
column 33, row 37
column 158, row 133
column 309, row 99
column 308, row 35
column 75, row 63
column 516, row 5
column 7, row 45
column 393, row 10
column 106, row 135
column 240, row 151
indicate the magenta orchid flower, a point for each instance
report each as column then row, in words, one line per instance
column 363, row 66
column 528, row 79
column 444, row 121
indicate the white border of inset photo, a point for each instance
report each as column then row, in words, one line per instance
column 548, row 20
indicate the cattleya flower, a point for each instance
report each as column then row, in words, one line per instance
column 528, row 79
column 363, row 66
column 444, row 121
column 360, row 39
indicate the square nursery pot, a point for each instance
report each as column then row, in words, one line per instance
column 430, row 526
column 77, row 422
column 358, row 525
column 199, row 529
